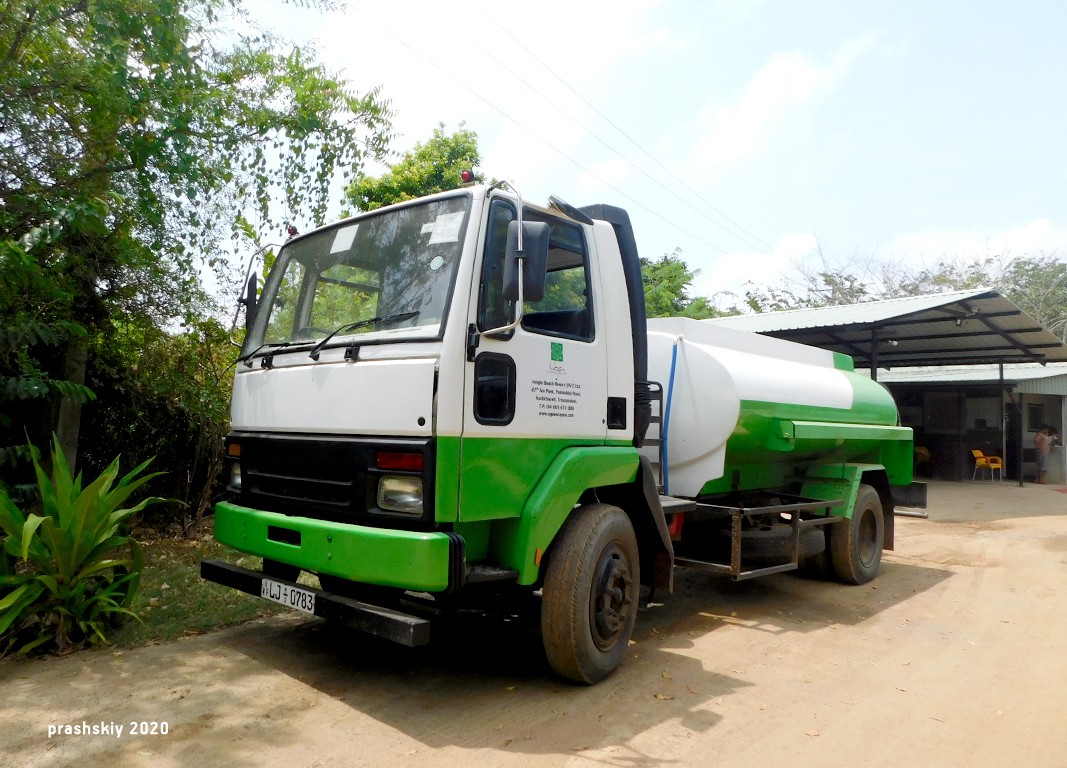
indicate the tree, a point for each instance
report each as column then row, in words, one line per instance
column 131, row 133
column 667, row 282
column 433, row 166
column 816, row 281
column 1036, row 282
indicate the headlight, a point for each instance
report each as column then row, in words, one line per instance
column 400, row 494
column 235, row 475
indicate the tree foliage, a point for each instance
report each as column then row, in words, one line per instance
column 134, row 135
column 667, row 282
column 433, row 166
column 62, row 579
column 1036, row 282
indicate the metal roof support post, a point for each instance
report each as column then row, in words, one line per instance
column 962, row 460
column 874, row 354
column 1003, row 428
column 1022, row 436
column 1018, row 405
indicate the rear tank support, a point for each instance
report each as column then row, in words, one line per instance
column 803, row 512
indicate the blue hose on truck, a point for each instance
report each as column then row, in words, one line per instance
column 667, row 419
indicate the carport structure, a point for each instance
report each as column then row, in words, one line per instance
column 978, row 327
column 960, row 328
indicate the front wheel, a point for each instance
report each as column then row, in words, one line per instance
column 590, row 595
column 856, row 544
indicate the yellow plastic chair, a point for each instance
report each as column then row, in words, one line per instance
column 981, row 461
column 922, row 456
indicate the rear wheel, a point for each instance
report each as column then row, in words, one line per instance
column 590, row 595
column 856, row 545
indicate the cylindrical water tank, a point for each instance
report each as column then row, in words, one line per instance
column 736, row 397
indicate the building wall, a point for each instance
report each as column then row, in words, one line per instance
column 1039, row 410
column 951, row 420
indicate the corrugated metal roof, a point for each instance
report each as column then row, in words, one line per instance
column 957, row 328
column 1054, row 385
column 963, row 373
column 845, row 314
column 1031, row 378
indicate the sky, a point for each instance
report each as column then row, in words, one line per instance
column 745, row 133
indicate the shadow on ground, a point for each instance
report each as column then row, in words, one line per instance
column 484, row 682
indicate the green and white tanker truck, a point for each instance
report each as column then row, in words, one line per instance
column 459, row 399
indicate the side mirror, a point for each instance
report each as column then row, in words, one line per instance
column 534, row 261
column 250, row 302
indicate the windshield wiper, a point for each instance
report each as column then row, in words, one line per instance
column 314, row 354
column 247, row 359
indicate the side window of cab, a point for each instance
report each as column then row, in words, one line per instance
column 566, row 311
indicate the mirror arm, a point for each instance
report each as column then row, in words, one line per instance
column 518, row 311
column 520, row 257
column 241, row 301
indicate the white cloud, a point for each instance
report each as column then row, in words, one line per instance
column 745, row 126
column 1033, row 237
column 392, row 45
column 732, row 271
column 612, row 171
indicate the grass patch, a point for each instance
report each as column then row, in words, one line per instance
column 175, row 602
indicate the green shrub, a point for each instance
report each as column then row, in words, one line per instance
column 60, row 577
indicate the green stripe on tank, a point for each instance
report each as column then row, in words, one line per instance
column 767, row 449
column 844, row 362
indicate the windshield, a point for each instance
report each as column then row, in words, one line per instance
column 396, row 263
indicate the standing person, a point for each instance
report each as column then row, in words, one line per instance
column 1043, row 440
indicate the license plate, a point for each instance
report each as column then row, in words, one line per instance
column 291, row 597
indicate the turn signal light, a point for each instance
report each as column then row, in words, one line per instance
column 408, row 461
column 234, row 449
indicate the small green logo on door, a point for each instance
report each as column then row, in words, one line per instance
column 557, row 352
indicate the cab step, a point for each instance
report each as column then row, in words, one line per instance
column 480, row 573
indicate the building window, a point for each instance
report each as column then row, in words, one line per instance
column 1035, row 417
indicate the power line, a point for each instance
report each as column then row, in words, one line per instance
column 617, row 152
column 550, row 146
column 620, row 130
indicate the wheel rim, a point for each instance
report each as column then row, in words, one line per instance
column 868, row 539
column 611, row 601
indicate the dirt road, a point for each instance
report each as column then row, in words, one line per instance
column 955, row 656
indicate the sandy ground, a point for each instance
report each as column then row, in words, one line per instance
column 955, row 656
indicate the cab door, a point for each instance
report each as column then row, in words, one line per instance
column 540, row 388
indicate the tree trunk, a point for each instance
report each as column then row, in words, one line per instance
column 70, row 411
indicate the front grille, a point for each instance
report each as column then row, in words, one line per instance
column 326, row 477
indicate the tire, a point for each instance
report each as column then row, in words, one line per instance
column 775, row 542
column 819, row 565
column 856, row 545
column 591, row 593
column 282, row 571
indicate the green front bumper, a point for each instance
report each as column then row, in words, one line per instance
column 420, row 561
